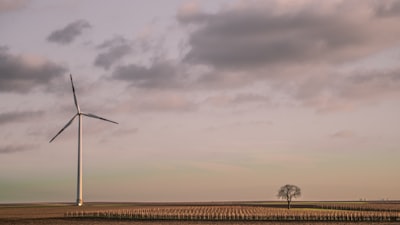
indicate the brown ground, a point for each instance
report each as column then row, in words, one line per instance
column 43, row 214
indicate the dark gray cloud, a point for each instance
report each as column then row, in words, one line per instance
column 19, row 75
column 161, row 74
column 254, row 36
column 16, row 148
column 19, row 116
column 296, row 50
column 114, row 50
column 68, row 34
column 389, row 8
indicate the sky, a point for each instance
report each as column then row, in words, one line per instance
column 216, row 100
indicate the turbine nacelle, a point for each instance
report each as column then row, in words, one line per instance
column 79, row 113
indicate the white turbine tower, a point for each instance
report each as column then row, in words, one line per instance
column 79, row 200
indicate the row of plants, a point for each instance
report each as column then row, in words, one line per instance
column 237, row 213
column 386, row 207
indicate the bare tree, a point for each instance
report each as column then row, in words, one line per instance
column 289, row 192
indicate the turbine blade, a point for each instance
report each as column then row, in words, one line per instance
column 98, row 117
column 59, row 132
column 73, row 91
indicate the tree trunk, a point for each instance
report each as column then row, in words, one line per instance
column 288, row 204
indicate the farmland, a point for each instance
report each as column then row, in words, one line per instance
column 203, row 213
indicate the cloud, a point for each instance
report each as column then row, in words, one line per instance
column 158, row 101
column 160, row 74
column 389, row 8
column 256, row 34
column 338, row 92
column 16, row 148
column 115, row 49
column 220, row 79
column 19, row 116
column 235, row 100
column 343, row 134
column 21, row 74
column 249, row 98
column 12, row 5
column 372, row 84
column 190, row 12
column 295, row 49
column 168, row 103
column 68, row 34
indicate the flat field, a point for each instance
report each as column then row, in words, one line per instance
column 239, row 213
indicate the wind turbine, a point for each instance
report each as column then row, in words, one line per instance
column 79, row 200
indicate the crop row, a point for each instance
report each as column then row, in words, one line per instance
column 362, row 207
column 236, row 213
